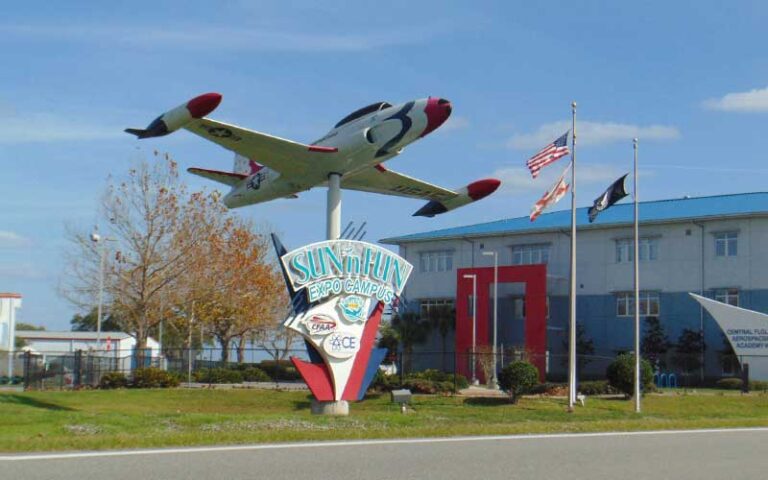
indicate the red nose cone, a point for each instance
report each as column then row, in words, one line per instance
column 482, row 188
column 437, row 110
column 203, row 105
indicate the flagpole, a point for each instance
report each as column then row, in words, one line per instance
column 637, row 290
column 572, row 313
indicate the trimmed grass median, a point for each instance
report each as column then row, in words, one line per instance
column 95, row 420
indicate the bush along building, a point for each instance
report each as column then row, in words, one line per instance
column 716, row 246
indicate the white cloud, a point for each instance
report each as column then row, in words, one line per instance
column 12, row 239
column 591, row 133
column 43, row 128
column 518, row 181
column 752, row 101
column 202, row 37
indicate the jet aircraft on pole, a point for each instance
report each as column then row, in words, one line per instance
column 355, row 149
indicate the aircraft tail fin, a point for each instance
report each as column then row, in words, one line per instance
column 245, row 166
column 227, row 178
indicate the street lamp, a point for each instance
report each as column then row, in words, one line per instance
column 473, row 277
column 495, row 255
column 97, row 239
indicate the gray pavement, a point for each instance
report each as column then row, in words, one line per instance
column 699, row 455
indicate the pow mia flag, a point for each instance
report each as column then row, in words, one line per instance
column 613, row 194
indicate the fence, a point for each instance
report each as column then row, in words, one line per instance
column 86, row 368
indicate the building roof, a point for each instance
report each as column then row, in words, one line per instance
column 9, row 295
column 657, row 211
column 43, row 334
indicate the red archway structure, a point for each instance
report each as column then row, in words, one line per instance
column 535, row 279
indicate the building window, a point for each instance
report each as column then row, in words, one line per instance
column 518, row 308
column 431, row 303
column 437, row 261
column 648, row 248
column 726, row 244
column 625, row 304
column 530, row 254
column 728, row 295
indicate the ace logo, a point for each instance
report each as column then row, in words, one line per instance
column 341, row 344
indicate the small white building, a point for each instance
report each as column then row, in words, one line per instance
column 119, row 344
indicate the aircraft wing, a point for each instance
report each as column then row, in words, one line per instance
column 227, row 178
column 382, row 180
column 440, row 200
column 284, row 156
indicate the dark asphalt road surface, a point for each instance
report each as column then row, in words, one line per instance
column 695, row 455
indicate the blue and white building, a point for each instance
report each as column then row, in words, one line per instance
column 714, row 245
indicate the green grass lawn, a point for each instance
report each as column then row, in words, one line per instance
column 38, row 421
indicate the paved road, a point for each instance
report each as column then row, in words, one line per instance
column 699, row 455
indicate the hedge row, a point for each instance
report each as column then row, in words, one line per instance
column 736, row 383
column 142, row 378
column 429, row 381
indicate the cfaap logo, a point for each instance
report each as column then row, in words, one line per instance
column 342, row 344
column 320, row 324
column 354, row 308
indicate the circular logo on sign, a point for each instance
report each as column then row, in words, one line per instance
column 353, row 308
column 320, row 324
column 341, row 344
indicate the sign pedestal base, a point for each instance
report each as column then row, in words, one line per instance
column 336, row 408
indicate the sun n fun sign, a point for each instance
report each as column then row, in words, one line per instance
column 346, row 285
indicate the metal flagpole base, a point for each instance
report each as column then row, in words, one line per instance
column 337, row 408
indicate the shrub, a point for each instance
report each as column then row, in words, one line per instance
column 758, row 385
column 434, row 375
column 255, row 374
column 112, row 380
column 597, row 387
column 549, row 388
column 729, row 383
column 282, row 370
column 154, row 378
column 383, row 383
column 518, row 378
column 218, row 375
column 419, row 385
column 621, row 374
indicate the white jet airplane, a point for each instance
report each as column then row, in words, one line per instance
column 268, row 167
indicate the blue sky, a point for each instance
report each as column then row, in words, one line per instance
column 689, row 78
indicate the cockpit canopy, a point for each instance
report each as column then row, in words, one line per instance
column 374, row 107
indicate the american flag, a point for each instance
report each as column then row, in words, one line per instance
column 551, row 196
column 549, row 154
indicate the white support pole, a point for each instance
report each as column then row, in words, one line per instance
column 473, row 277
column 474, row 329
column 572, row 313
column 101, row 294
column 637, row 290
column 334, row 206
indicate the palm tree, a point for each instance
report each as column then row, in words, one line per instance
column 443, row 319
column 411, row 330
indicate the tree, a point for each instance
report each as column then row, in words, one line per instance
column 688, row 351
column 518, row 378
column 585, row 347
column 443, row 319
column 389, row 339
column 411, row 330
column 19, row 342
column 87, row 322
column 654, row 343
column 238, row 289
column 621, row 374
column 276, row 340
column 154, row 225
